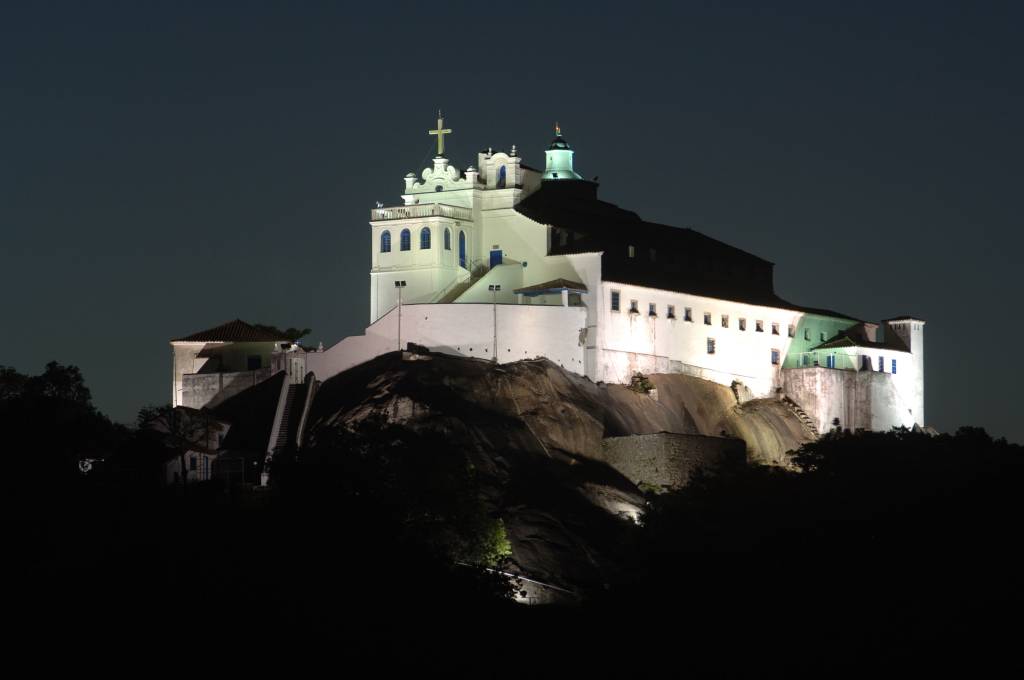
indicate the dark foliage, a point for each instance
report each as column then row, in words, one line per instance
column 887, row 552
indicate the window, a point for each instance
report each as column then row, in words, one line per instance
column 634, row 307
column 791, row 331
column 830, row 361
column 191, row 462
column 707, row 318
column 725, row 321
column 500, row 184
column 447, row 238
column 775, row 329
column 425, row 238
column 385, row 241
column 563, row 237
column 405, row 240
column 823, row 336
column 759, row 326
column 881, row 364
column 775, row 357
column 652, row 309
column 671, row 313
column 615, row 300
column 743, row 324
column 687, row 314
column 894, row 367
column 462, row 249
column 631, row 251
column 711, row 345
column 807, row 334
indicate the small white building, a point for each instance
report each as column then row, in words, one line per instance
column 505, row 262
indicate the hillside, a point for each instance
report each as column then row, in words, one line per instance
column 533, row 433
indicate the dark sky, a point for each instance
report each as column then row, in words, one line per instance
column 168, row 167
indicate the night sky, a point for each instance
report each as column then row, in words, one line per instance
column 168, row 167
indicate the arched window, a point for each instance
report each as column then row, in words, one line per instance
column 385, row 241
column 447, row 238
column 406, row 240
column 462, row 249
column 425, row 238
column 501, row 177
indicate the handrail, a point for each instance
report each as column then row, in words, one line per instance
column 408, row 212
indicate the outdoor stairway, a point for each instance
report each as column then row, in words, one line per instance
column 802, row 416
column 290, row 416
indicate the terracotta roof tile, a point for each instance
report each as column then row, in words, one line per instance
column 235, row 331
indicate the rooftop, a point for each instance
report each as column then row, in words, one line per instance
column 236, row 331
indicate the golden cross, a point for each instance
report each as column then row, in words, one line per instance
column 441, row 131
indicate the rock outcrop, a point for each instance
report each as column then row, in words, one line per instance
column 534, row 432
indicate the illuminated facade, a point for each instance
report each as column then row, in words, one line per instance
column 504, row 262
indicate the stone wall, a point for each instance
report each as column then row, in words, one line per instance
column 665, row 460
column 868, row 400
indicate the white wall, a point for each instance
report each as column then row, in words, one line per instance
column 523, row 332
column 638, row 342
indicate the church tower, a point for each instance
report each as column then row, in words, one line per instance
column 558, row 158
column 423, row 248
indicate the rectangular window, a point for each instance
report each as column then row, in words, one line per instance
column 671, row 313
column 652, row 309
column 711, row 345
column 807, row 334
column 615, row 300
column 792, row 331
column 634, row 307
column 881, row 364
column 894, row 367
column 191, row 462
column 687, row 314
column 775, row 329
column 775, row 357
column 725, row 321
column 759, row 326
column 631, row 251
column 743, row 324
column 823, row 336
column 707, row 318
column 830, row 361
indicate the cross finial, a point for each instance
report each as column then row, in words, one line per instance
column 441, row 131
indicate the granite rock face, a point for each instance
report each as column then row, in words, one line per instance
column 533, row 432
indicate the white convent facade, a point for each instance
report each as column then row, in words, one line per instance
column 504, row 262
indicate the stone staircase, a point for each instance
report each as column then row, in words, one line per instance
column 802, row 416
column 290, row 416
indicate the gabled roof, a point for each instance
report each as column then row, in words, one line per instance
column 556, row 284
column 235, row 331
column 855, row 336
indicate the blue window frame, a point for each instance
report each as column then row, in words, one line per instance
column 615, row 300
column 830, row 361
column 425, row 238
column 501, row 178
column 894, row 367
column 447, row 238
column 775, row 356
column 881, row 364
column 405, row 239
column 385, row 242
